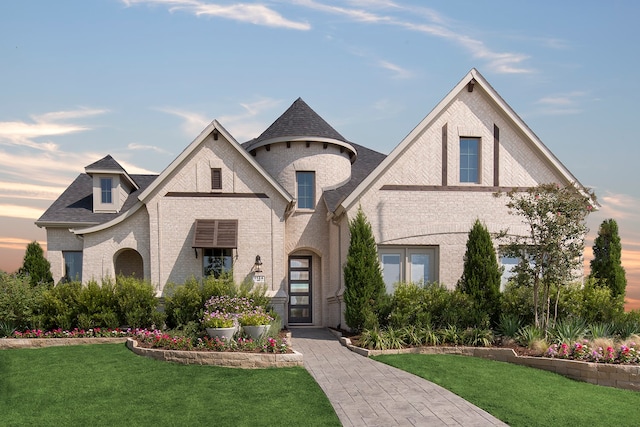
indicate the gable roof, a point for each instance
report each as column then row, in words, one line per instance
column 108, row 165
column 74, row 207
column 213, row 128
column 477, row 79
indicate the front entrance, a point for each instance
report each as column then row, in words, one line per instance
column 300, row 289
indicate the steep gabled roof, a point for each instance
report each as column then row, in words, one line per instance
column 108, row 165
column 477, row 79
column 213, row 128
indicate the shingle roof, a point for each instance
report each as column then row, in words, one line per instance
column 75, row 204
column 105, row 163
column 365, row 163
column 298, row 121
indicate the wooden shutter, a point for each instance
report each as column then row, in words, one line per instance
column 216, row 233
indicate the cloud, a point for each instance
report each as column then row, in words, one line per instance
column 17, row 211
column 142, row 147
column 19, row 190
column 437, row 26
column 257, row 14
column 193, row 123
column 21, row 133
column 398, row 72
column 17, row 244
column 564, row 103
column 243, row 126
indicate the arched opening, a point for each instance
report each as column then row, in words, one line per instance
column 129, row 263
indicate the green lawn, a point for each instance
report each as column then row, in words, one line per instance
column 109, row 385
column 522, row 396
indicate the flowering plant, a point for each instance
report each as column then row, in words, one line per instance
column 255, row 317
column 218, row 319
column 228, row 304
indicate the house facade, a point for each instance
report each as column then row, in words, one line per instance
column 277, row 208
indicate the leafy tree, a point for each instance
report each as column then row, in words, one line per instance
column 481, row 275
column 550, row 254
column 606, row 264
column 364, row 285
column 36, row 266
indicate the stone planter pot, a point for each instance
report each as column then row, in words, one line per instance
column 256, row 332
column 222, row 333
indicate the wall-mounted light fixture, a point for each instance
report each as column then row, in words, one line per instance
column 257, row 267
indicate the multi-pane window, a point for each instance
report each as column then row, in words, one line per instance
column 215, row 261
column 216, row 179
column 72, row 266
column 407, row 264
column 106, row 190
column 469, row 159
column 306, row 190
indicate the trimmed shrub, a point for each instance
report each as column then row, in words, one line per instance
column 136, row 301
column 18, row 299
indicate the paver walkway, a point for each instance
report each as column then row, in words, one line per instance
column 369, row 393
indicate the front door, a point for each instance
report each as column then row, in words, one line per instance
column 300, row 289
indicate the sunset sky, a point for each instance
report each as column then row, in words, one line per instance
column 139, row 79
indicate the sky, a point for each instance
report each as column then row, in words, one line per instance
column 139, row 79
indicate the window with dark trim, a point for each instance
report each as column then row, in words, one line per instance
column 469, row 159
column 216, row 261
column 216, row 179
column 105, row 190
column 72, row 266
column 305, row 182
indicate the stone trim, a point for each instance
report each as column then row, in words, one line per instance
column 14, row 343
column 215, row 358
column 483, row 189
column 618, row 376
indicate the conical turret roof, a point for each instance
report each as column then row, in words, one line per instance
column 297, row 122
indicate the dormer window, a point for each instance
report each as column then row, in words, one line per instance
column 106, row 186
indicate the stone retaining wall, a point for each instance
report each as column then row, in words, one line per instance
column 229, row 359
column 618, row 376
column 9, row 343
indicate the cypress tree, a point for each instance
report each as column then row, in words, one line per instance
column 364, row 285
column 36, row 266
column 481, row 274
column 606, row 264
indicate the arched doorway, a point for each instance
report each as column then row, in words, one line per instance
column 129, row 263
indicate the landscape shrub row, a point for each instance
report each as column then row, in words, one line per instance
column 430, row 314
column 125, row 302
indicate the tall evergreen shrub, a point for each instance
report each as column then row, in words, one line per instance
column 481, row 275
column 364, row 285
column 606, row 264
column 36, row 266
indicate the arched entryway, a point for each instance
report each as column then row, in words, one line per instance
column 128, row 262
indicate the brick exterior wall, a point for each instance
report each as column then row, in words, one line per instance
column 260, row 220
column 420, row 213
column 59, row 240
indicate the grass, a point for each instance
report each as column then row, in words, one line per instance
column 108, row 385
column 523, row 396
